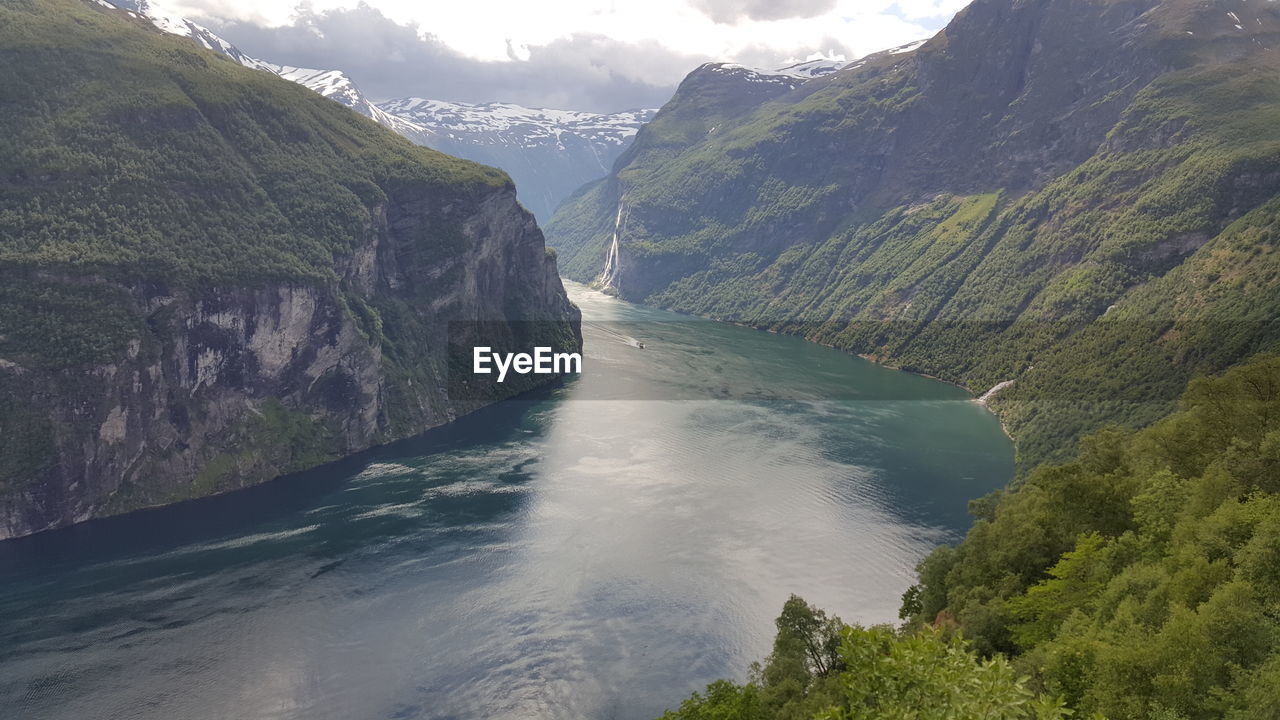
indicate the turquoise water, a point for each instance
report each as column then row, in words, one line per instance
column 597, row 550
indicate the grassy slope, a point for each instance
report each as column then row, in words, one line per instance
column 103, row 114
column 128, row 154
column 1169, row 222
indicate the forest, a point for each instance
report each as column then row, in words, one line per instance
column 1141, row 580
column 1096, row 221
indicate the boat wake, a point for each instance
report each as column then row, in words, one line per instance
column 615, row 335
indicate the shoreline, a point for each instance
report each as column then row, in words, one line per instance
column 981, row 400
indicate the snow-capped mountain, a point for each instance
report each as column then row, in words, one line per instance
column 549, row 153
column 508, row 124
column 335, row 85
column 332, row 84
column 795, row 75
column 173, row 23
column 812, row 68
column 789, row 77
column 756, row 76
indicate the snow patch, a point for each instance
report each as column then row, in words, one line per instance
column 332, row 84
column 508, row 124
column 811, row 69
column 907, row 48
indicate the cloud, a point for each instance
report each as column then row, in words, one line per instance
column 936, row 10
column 602, row 55
column 390, row 60
column 769, row 56
column 734, row 11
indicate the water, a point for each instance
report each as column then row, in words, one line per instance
column 596, row 551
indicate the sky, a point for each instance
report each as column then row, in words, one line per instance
column 596, row 55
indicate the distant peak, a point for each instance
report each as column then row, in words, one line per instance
column 809, row 69
column 508, row 123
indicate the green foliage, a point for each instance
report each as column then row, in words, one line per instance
column 26, row 442
column 57, row 323
column 270, row 440
column 160, row 205
column 723, row 700
column 277, row 429
column 131, row 156
column 924, row 676
column 869, row 674
column 1141, row 579
column 877, row 215
column 798, row 677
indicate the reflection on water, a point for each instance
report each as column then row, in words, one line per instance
column 597, row 550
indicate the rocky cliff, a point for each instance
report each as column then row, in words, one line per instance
column 210, row 277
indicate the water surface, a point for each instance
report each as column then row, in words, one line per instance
column 597, row 550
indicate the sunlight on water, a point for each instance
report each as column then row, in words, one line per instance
column 598, row 550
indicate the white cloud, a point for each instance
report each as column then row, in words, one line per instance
column 506, row 29
column 927, row 9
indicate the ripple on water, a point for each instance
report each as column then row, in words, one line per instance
column 595, row 552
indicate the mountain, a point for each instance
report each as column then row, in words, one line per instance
column 1074, row 201
column 821, row 67
column 812, row 68
column 171, row 22
column 210, row 277
column 549, row 153
column 333, row 84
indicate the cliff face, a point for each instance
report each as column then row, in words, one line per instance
column 148, row 357
column 973, row 208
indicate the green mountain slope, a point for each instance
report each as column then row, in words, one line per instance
column 1156, row 598
column 1077, row 195
column 210, row 276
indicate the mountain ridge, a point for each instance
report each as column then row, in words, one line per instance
column 549, row 153
column 500, row 134
column 333, row 84
column 971, row 208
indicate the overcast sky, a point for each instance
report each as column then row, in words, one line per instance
column 601, row 55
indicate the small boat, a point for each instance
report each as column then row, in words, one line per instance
column 639, row 344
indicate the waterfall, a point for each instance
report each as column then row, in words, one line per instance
column 609, row 277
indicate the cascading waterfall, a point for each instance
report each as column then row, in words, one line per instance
column 609, row 277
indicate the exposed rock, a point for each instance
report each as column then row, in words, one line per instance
column 233, row 386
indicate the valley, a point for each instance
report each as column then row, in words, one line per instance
column 938, row 383
column 1058, row 215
